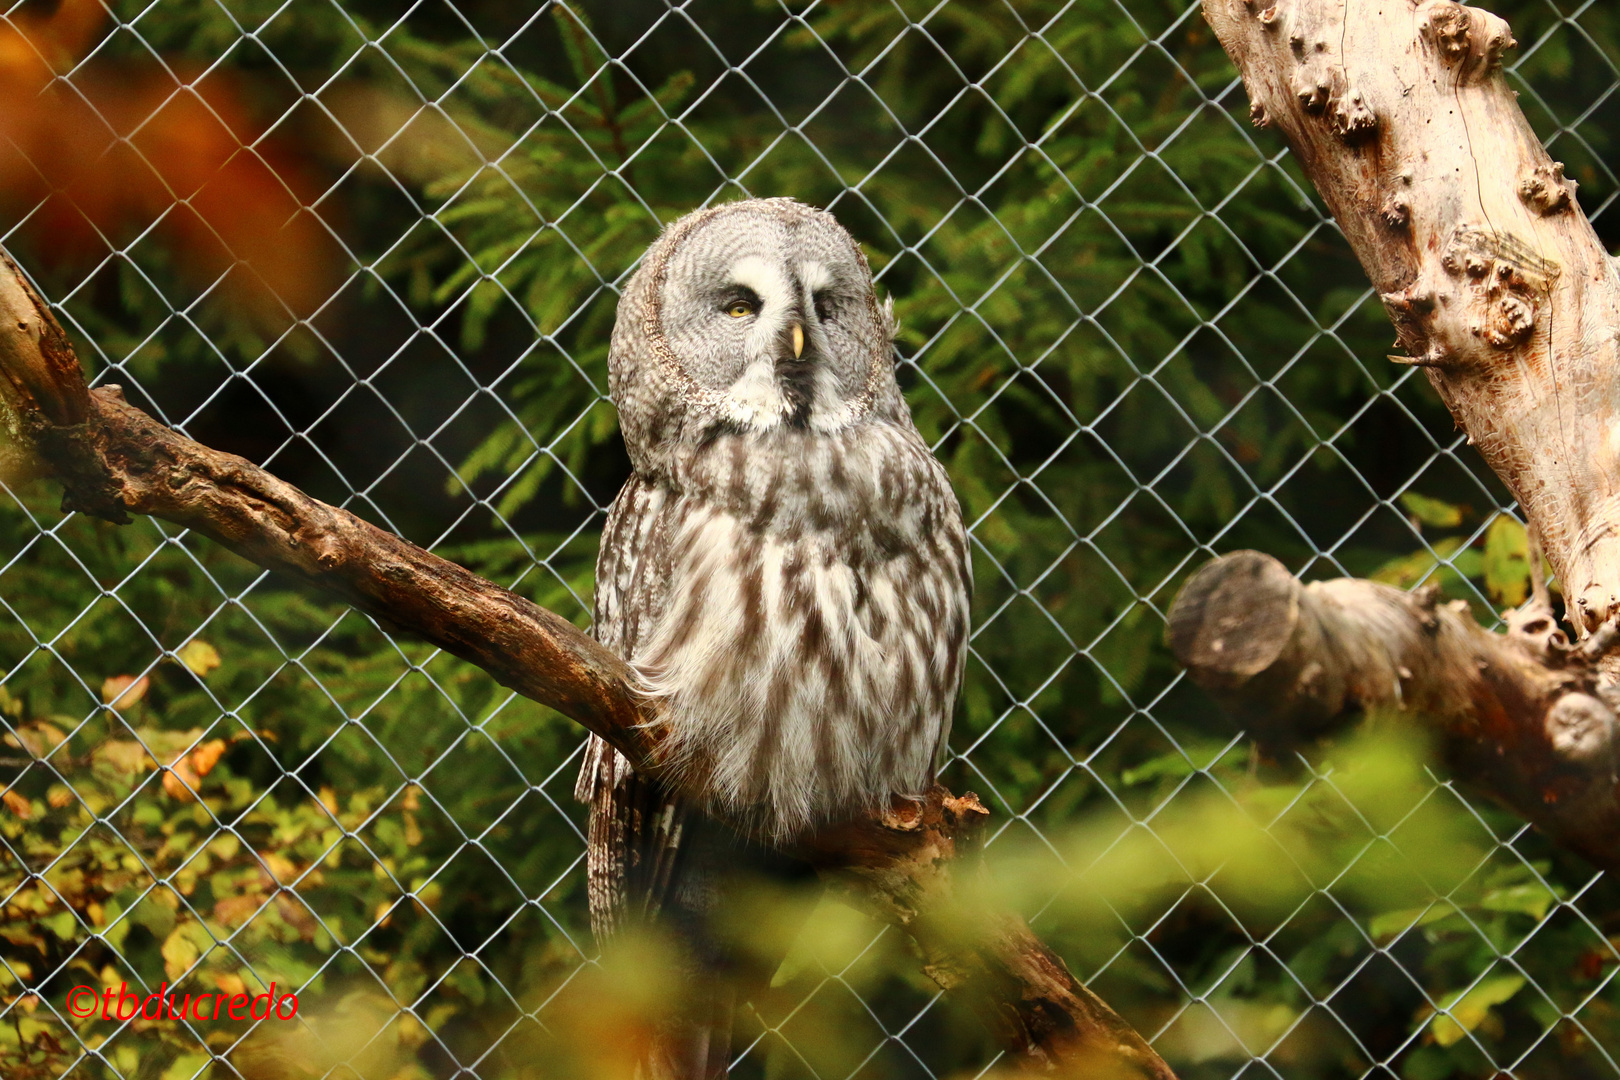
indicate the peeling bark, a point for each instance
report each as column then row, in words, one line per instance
column 1399, row 113
column 112, row 460
column 1523, row 716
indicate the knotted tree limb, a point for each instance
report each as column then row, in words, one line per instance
column 1521, row 715
column 112, row 460
column 1399, row 113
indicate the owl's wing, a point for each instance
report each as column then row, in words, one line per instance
column 648, row 853
column 636, row 826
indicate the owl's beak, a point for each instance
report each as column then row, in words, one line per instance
column 798, row 340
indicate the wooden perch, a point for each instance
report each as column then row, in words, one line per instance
column 1399, row 113
column 1521, row 715
column 112, row 460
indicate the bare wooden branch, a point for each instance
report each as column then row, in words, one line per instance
column 112, row 460
column 1399, row 113
column 1521, row 716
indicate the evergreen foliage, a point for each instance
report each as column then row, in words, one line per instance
column 1132, row 336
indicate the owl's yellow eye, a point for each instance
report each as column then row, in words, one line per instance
column 739, row 309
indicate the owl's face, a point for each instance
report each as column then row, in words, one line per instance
column 765, row 311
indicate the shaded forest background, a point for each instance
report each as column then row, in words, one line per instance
column 1127, row 328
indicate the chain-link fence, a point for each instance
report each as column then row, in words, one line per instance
column 376, row 248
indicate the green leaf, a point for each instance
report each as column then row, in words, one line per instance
column 1390, row 923
column 187, row 1066
column 62, row 924
column 1427, row 1063
column 1533, row 899
column 1406, row 571
column 1177, row 764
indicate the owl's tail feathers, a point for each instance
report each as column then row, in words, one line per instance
column 657, row 865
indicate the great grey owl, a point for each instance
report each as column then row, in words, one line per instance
column 787, row 568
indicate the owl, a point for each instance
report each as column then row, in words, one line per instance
column 786, row 569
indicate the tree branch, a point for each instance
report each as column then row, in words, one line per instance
column 112, row 460
column 1398, row 112
column 1521, row 715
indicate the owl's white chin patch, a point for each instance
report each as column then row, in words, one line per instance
column 756, row 400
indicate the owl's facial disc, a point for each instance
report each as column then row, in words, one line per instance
column 773, row 316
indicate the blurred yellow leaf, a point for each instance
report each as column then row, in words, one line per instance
column 230, row 983
column 281, row 868
column 199, row 656
column 125, row 755
column 38, row 738
column 1433, row 512
column 179, row 952
column 1463, row 1010
column 123, row 691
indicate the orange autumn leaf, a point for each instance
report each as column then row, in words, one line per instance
column 123, row 691
column 206, row 756
column 180, row 780
column 118, row 149
column 233, row 911
column 17, row 804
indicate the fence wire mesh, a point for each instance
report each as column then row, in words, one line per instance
column 376, row 247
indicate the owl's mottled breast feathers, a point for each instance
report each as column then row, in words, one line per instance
column 796, row 588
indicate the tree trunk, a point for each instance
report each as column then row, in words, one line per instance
column 112, row 460
column 1496, row 283
column 1399, row 113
